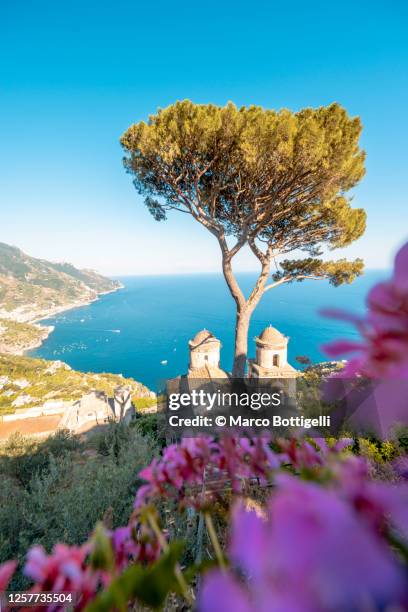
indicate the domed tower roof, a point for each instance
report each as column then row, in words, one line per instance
column 204, row 340
column 271, row 336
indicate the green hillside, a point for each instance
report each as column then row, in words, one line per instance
column 31, row 288
column 34, row 381
column 15, row 337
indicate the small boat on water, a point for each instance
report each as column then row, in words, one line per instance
column 164, row 362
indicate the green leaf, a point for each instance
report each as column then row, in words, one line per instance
column 102, row 556
column 149, row 585
column 337, row 272
column 200, row 568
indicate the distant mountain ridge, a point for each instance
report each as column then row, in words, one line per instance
column 32, row 288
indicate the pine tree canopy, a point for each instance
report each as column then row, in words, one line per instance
column 263, row 176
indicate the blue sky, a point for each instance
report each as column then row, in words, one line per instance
column 75, row 74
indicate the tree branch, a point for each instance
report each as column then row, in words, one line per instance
column 289, row 279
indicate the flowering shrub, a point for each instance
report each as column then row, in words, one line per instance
column 313, row 550
column 328, row 538
column 297, row 554
column 184, row 468
column 294, row 554
column 181, row 474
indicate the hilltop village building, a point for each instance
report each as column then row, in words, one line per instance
column 271, row 359
column 92, row 409
column 205, row 356
column 207, row 386
column 96, row 408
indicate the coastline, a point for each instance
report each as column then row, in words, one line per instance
column 58, row 309
column 46, row 330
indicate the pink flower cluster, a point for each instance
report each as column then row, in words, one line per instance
column 316, row 549
column 181, row 466
column 302, row 454
column 181, row 474
column 382, row 505
column 194, row 470
column 68, row 568
column 135, row 542
column 382, row 352
column 65, row 569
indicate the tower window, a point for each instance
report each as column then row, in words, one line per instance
column 276, row 360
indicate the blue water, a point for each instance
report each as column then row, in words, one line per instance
column 152, row 318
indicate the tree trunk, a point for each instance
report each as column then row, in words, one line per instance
column 242, row 321
column 245, row 307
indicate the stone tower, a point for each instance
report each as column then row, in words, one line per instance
column 271, row 356
column 204, row 351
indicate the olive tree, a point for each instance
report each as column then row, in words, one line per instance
column 276, row 181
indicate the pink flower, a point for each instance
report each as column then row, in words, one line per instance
column 231, row 460
column 192, row 471
column 222, row 593
column 181, row 466
column 383, row 350
column 197, row 470
column 382, row 505
column 401, row 467
column 134, row 543
column 63, row 570
column 7, row 570
column 302, row 454
column 259, row 457
column 312, row 553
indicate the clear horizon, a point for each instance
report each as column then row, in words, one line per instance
column 120, row 275
column 74, row 77
column 219, row 273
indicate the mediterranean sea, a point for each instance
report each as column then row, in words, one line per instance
column 142, row 330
